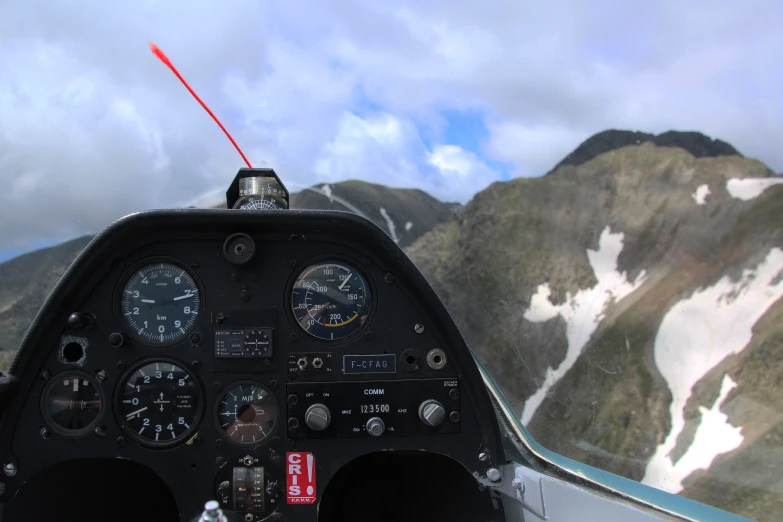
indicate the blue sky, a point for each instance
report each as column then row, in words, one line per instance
column 443, row 96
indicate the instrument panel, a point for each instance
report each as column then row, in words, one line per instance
column 211, row 346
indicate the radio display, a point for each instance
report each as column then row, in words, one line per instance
column 374, row 408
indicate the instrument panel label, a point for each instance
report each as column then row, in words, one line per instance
column 300, row 477
column 382, row 363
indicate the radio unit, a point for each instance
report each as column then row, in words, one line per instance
column 373, row 408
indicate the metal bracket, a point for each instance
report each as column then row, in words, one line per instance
column 526, row 487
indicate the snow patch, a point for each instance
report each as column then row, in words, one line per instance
column 327, row 189
column 695, row 336
column 408, row 226
column 390, row 225
column 749, row 188
column 700, row 196
column 582, row 311
column 714, row 436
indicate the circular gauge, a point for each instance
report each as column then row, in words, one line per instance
column 160, row 303
column 331, row 300
column 247, row 413
column 160, row 403
column 259, row 203
column 72, row 403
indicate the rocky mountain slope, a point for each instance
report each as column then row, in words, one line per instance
column 405, row 214
column 629, row 306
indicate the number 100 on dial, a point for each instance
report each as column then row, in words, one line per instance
column 331, row 301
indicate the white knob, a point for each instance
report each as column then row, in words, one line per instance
column 375, row 426
column 431, row 412
column 318, row 417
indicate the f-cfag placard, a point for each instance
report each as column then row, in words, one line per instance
column 300, row 477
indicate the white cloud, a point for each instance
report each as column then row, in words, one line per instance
column 389, row 150
column 544, row 76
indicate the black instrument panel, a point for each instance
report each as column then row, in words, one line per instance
column 206, row 370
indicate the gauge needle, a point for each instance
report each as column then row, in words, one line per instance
column 128, row 416
column 151, row 301
column 345, row 281
column 183, row 297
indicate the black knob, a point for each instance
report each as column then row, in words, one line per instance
column 77, row 321
column 272, row 489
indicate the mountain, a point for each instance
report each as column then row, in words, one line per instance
column 405, row 214
column 26, row 281
column 628, row 304
column 699, row 145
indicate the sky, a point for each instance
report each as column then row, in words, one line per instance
column 443, row 96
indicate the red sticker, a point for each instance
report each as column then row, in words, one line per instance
column 300, row 477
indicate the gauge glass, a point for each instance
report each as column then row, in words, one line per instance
column 259, row 203
column 248, row 413
column 160, row 403
column 160, row 303
column 331, row 300
column 73, row 403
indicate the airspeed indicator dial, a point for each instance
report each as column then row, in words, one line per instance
column 331, row 301
column 160, row 303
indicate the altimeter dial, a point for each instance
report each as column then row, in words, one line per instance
column 160, row 303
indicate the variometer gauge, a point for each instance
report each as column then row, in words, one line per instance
column 160, row 402
column 331, row 300
column 160, row 303
column 73, row 403
column 247, row 413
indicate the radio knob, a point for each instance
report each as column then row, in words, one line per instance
column 375, row 426
column 317, row 417
column 431, row 412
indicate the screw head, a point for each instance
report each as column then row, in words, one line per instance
column 294, row 337
column 419, row 328
column 116, row 339
column 293, row 423
column 454, row 416
column 195, row 264
column 120, row 441
column 292, row 262
column 273, row 383
column 45, row 374
column 100, row 431
column 195, row 338
column 101, row 375
column 120, row 365
column 9, row 468
column 293, row 399
column 388, row 277
column 267, row 362
column 2, row 488
column 196, row 365
column 493, row 474
column 45, row 434
column 483, row 456
column 244, row 296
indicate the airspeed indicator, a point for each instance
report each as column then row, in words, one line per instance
column 331, row 301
